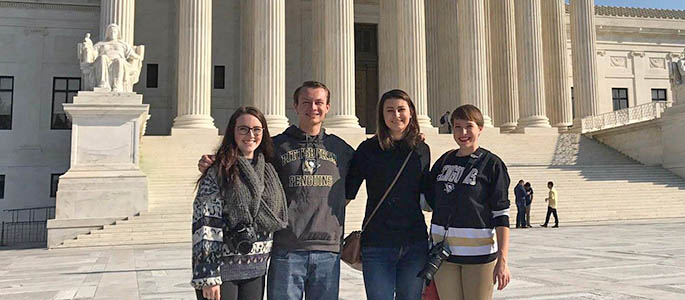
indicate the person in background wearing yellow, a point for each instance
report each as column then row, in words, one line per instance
column 552, row 205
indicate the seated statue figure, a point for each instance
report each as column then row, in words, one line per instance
column 110, row 64
column 677, row 78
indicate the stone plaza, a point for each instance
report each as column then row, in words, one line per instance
column 593, row 261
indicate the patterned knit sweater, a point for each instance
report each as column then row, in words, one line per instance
column 213, row 261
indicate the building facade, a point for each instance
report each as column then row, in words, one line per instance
column 513, row 59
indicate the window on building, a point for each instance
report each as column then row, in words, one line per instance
column 2, row 186
column 219, row 77
column 152, row 76
column 6, row 95
column 54, row 182
column 620, row 98
column 63, row 91
column 658, row 94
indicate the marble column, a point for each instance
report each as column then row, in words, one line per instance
column 584, row 51
column 557, row 91
column 473, row 69
column 533, row 112
column 333, row 63
column 263, row 59
column 120, row 12
column 503, row 43
column 488, row 59
column 194, row 65
column 441, row 57
column 413, row 38
column 404, row 67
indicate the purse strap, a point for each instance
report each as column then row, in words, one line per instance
column 387, row 191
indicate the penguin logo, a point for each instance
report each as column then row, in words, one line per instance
column 449, row 187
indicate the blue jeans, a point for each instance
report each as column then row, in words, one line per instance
column 520, row 215
column 390, row 273
column 316, row 274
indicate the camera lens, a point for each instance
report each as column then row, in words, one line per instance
column 244, row 247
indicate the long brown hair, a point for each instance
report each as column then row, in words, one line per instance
column 411, row 133
column 226, row 156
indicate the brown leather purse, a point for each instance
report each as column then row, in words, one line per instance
column 352, row 244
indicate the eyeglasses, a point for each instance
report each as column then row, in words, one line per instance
column 244, row 130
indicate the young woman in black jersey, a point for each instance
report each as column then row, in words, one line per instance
column 394, row 243
column 471, row 211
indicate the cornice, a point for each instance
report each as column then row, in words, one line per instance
column 50, row 5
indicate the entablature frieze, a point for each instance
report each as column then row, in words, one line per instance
column 88, row 6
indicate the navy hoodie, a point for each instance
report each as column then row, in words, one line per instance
column 312, row 170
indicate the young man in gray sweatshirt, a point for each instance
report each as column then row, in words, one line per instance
column 312, row 167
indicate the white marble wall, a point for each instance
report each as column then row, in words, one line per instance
column 34, row 52
column 38, row 50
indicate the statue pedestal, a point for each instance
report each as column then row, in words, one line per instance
column 104, row 182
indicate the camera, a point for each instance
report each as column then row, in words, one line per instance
column 241, row 238
column 436, row 256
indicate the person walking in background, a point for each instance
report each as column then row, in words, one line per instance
column 239, row 204
column 445, row 121
column 529, row 202
column 520, row 194
column 552, row 205
column 394, row 240
column 470, row 213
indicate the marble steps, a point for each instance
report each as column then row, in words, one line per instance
column 609, row 186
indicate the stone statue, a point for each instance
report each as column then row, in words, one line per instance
column 110, row 64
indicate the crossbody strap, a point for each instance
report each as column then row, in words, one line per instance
column 388, row 190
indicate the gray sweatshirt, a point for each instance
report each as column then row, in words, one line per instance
column 312, row 170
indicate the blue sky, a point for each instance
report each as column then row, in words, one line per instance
column 667, row 4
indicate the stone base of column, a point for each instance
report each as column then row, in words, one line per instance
column 534, row 121
column 194, row 122
column 426, row 126
column 536, row 131
column 342, row 121
column 487, row 122
column 577, row 126
column 277, row 123
column 507, row 127
column 429, row 130
column 345, row 131
column 175, row 131
column 562, row 125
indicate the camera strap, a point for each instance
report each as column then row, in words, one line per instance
column 388, row 190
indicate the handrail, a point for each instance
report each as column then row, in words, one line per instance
column 28, row 208
column 31, row 213
column 626, row 116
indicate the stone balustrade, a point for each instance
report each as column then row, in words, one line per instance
column 626, row 116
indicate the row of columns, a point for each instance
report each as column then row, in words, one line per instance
column 523, row 88
column 540, row 91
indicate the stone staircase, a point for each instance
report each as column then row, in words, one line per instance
column 595, row 183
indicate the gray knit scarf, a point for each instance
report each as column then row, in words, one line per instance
column 256, row 197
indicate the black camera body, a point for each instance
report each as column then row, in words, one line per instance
column 436, row 256
column 241, row 238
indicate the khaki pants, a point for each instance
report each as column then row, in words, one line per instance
column 465, row 282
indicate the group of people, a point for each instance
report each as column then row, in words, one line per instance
column 284, row 199
column 524, row 199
